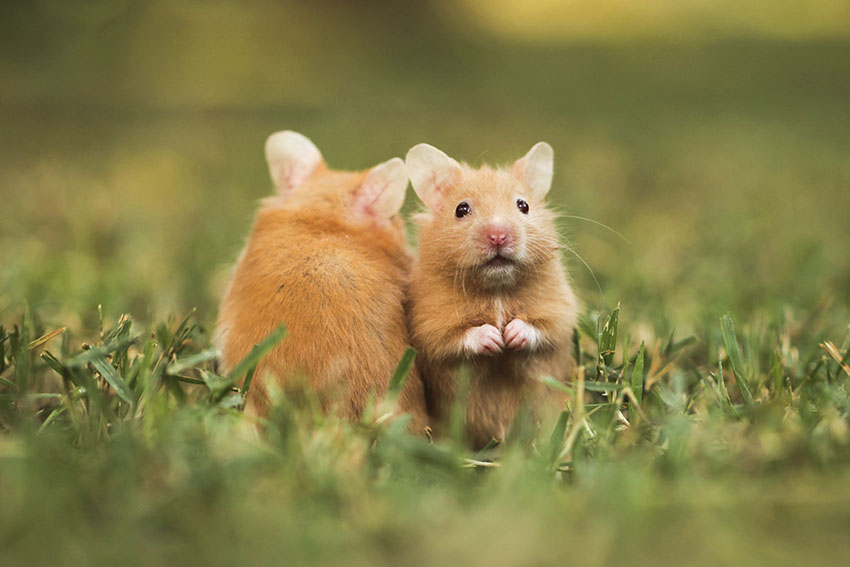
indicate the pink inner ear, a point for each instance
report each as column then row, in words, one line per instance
column 366, row 197
column 368, row 200
column 292, row 159
column 293, row 174
column 436, row 196
column 381, row 193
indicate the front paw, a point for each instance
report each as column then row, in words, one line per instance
column 520, row 335
column 485, row 339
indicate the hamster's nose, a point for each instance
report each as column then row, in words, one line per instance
column 498, row 237
column 498, row 234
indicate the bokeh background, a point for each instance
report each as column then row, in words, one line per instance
column 715, row 136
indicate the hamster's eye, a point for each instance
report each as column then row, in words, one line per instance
column 522, row 206
column 463, row 209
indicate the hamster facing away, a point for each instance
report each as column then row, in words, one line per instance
column 327, row 257
column 488, row 289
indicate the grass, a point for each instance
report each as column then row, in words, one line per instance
column 689, row 451
column 714, row 349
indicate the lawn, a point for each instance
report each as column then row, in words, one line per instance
column 713, row 270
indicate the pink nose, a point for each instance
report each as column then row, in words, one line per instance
column 498, row 235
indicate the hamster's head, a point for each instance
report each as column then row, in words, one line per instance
column 486, row 227
column 356, row 201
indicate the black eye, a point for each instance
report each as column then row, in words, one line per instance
column 522, row 206
column 462, row 209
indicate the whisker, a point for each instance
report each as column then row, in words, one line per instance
column 597, row 223
column 589, row 269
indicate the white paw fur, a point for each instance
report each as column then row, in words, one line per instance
column 521, row 335
column 485, row 339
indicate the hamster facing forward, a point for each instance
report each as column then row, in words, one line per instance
column 488, row 289
column 327, row 257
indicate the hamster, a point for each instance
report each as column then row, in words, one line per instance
column 327, row 257
column 488, row 289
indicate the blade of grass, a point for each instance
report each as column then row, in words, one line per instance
column 218, row 385
column 18, row 341
column 53, row 415
column 608, row 337
column 95, row 352
column 491, row 444
column 603, row 386
column 44, row 338
column 637, row 375
column 832, row 351
column 556, row 385
column 733, row 352
column 578, row 417
column 105, row 369
column 249, row 379
column 260, row 350
column 402, row 371
column 191, row 361
column 556, row 440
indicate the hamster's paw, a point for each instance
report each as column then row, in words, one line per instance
column 521, row 335
column 485, row 339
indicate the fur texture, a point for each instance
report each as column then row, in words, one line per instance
column 328, row 258
column 488, row 289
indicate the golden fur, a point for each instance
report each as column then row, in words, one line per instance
column 453, row 290
column 336, row 276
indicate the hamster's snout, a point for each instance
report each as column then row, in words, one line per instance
column 498, row 235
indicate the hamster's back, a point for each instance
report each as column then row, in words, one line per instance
column 327, row 258
column 340, row 296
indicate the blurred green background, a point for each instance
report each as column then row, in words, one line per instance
column 714, row 136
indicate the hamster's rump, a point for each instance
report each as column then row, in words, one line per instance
column 336, row 276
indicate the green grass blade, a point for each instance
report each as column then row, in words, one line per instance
column 95, row 352
column 53, row 363
column 191, row 361
column 557, row 385
column 637, row 375
column 190, row 380
column 556, row 440
column 249, row 379
column 260, row 350
column 18, row 342
column 402, row 371
column 608, row 337
column 491, row 444
column 218, row 385
column 59, row 410
column 105, row 369
column 733, row 351
column 603, row 386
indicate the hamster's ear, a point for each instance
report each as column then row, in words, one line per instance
column 382, row 192
column 431, row 172
column 292, row 159
column 535, row 169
